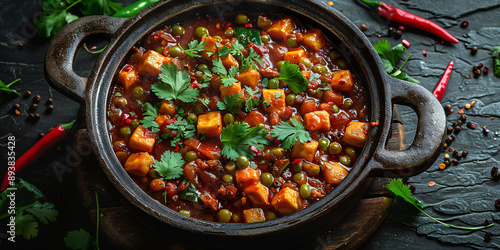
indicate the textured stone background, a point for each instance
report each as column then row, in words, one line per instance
column 463, row 194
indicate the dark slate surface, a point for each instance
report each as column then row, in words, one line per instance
column 463, row 194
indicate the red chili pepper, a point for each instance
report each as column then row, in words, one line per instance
column 257, row 151
column 297, row 161
column 441, row 86
column 123, row 119
column 48, row 141
column 256, row 48
column 127, row 68
column 400, row 16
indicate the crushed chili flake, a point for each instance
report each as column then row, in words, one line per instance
column 378, row 36
column 472, row 103
column 342, row 81
column 461, row 111
column 297, row 161
column 473, row 126
column 177, row 148
column 122, row 120
column 257, row 151
column 375, row 123
column 450, row 149
column 128, row 121
column 424, row 52
column 248, row 25
column 127, row 68
column 431, row 183
column 405, row 43
column 17, row 112
column 228, row 25
column 134, row 116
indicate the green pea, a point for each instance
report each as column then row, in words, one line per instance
column 323, row 144
column 350, row 151
column 218, row 38
column 236, row 218
column 190, row 156
column 264, row 23
column 347, row 102
column 241, row 18
column 292, row 42
column 175, row 51
column 242, row 162
column 265, row 38
column 201, row 32
column 267, row 179
column 135, row 123
column 311, row 169
column 305, row 191
column 297, row 167
column 228, row 118
column 341, row 63
column 319, row 94
column 290, row 99
column 224, row 215
column 335, row 109
column 278, row 152
column 306, row 62
column 201, row 67
column 270, row 215
column 228, row 178
column 229, row 32
column 279, row 64
column 230, row 166
column 335, row 148
column 299, row 178
column 154, row 174
column 138, row 92
column 334, row 55
column 178, row 30
column 192, row 118
column 125, row 131
column 159, row 49
column 346, row 160
column 199, row 109
column 320, row 69
column 185, row 212
column 120, row 102
column 273, row 84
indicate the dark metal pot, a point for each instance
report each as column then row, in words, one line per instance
column 375, row 159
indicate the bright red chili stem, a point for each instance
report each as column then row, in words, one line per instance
column 35, row 152
column 400, row 16
column 441, row 86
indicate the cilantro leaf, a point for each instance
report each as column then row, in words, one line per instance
column 190, row 194
column 184, row 130
column 250, row 60
column 149, row 116
column 174, row 85
column 237, row 138
column 251, row 102
column 5, row 89
column 224, row 51
column 55, row 16
column 45, row 212
column 170, row 166
column 100, row 7
column 496, row 62
column 289, row 134
column 227, row 76
column 78, row 239
column 26, row 225
column 292, row 76
column 245, row 36
column 231, row 103
column 194, row 47
column 399, row 189
column 390, row 58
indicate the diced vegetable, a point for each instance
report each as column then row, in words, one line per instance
column 250, row 77
column 305, row 150
column 280, row 29
column 232, row 89
column 210, row 124
column 317, row 121
column 286, row 201
column 258, row 194
column 247, row 176
column 341, row 80
column 294, row 55
column 142, row 139
column 333, row 172
column 314, row 39
column 210, row 48
column 122, row 156
column 138, row 164
column 151, row 63
column 256, row 118
column 167, row 108
column 356, row 134
column 309, row 105
column 274, row 100
column 128, row 79
column 209, row 149
column 229, row 61
column 253, row 215
column 160, row 119
column 333, row 97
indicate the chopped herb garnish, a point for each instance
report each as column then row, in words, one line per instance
column 205, row 102
column 265, row 82
column 5, row 89
column 224, row 51
column 149, row 115
column 314, row 76
column 267, row 104
column 131, row 113
column 184, row 130
column 194, row 47
column 118, row 94
column 237, row 138
column 170, row 165
column 174, row 85
column 292, row 76
column 227, row 76
column 390, row 57
column 245, row 36
column 496, row 66
column 251, row 102
column 190, row 194
column 231, row 103
column 289, row 134
column 250, row 60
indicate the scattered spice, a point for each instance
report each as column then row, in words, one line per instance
column 330, row 3
column 486, row 70
column 461, row 111
column 442, row 166
column 17, row 112
column 49, row 101
column 363, row 27
column 488, row 236
column 447, row 162
column 449, row 129
column 486, row 222
column 391, row 31
column 431, row 183
column 402, row 28
column 485, row 130
column 457, row 130
column 472, row 103
column 412, row 189
column 398, row 33
column 463, row 117
column 497, row 204
column 405, row 43
column 27, row 94
column 33, row 107
column 464, row 153
column 473, row 126
column 494, row 173
column 36, row 99
column 455, row 162
column 464, row 24
column 477, row 72
column 467, row 106
column 474, row 50
column 424, row 52
column 49, row 109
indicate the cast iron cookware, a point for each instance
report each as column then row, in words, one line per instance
column 374, row 160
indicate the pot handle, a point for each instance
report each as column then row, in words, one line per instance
column 63, row 48
column 431, row 129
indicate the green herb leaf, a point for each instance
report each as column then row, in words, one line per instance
column 224, row 51
column 184, row 130
column 45, row 212
column 251, row 102
column 100, row 7
column 190, row 193
column 170, row 166
column 292, row 76
column 231, row 103
column 149, row 116
column 78, row 239
column 289, row 134
column 227, row 76
column 174, row 85
column 390, row 58
column 26, row 225
column 495, row 50
column 237, row 138
column 399, row 189
column 55, row 16
column 496, row 63
column 245, row 36
column 194, row 47
column 5, row 89
column 250, row 60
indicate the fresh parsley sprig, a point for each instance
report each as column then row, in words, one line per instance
column 390, row 58
column 170, row 165
column 227, row 76
column 289, row 134
column 184, row 130
column 174, row 85
column 194, row 47
column 251, row 102
column 149, row 115
column 5, row 89
column 237, row 138
column 231, row 103
column 399, row 189
column 291, row 75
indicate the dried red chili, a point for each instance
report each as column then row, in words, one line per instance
column 443, row 82
column 397, row 15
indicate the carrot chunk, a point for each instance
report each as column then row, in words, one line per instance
column 333, row 172
column 356, row 134
column 138, row 164
column 141, row 140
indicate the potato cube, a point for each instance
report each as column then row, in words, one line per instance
column 160, row 119
column 305, row 150
column 286, row 201
column 210, row 124
column 232, row 89
column 317, row 121
column 142, row 140
column 210, row 48
column 314, row 39
column 274, row 100
column 258, row 194
column 341, row 80
column 229, row 61
column 247, row 176
column 138, row 164
column 167, row 108
column 250, row 77
column 333, row 172
column 281, row 29
column 356, row 134
column 128, row 79
column 151, row 63
column 333, row 97
column 294, row 55
column 253, row 215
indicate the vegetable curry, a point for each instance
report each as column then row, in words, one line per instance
column 237, row 120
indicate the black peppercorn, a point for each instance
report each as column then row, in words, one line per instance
column 391, row 31
column 398, row 34
column 486, row 70
column 455, row 153
column 49, row 101
column 447, row 162
column 33, row 107
column 477, row 72
column 448, row 140
column 488, row 236
column 447, row 107
column 455, row 162
column 464, row 153
column 458, row 156
column 497, row 204
column 464, row 24
column 37, row 117
column 37, row 99
column 474, row 50
column 457, row 129
column 459, row 122
column 49, row 109
column 480, row 65
column 450, row 129
column 27, row 94
column 463, row 118
column 16, row 106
